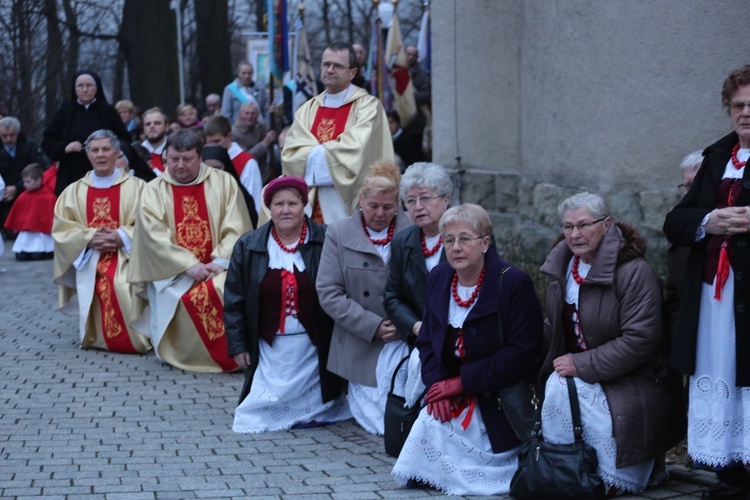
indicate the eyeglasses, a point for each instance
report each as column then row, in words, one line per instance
column 462, row 241
column 685, row 185
column 581, row 226
column 424, row 200
column 739, row 107
column 336, row 66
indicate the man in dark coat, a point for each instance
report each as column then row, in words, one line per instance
column 17, row 152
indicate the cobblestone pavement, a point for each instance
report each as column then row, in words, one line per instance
column 92, row 424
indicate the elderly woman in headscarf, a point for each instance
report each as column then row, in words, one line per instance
column 218, row 157
column 276, row 330
column 64, row 137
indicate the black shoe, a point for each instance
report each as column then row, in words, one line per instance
column 24, row 256
column 723, row 491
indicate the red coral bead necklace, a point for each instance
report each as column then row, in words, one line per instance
column 574, row 271
column 385, row 240
column 468, row 302
column 293, row 249
column 429, row 252
column 735, row 161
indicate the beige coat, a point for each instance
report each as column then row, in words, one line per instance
column 351, row 286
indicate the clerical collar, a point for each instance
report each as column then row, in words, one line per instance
column 337, row 100
column 398, row 133
column 194, row 181
column 86, row 105
column 104, row 182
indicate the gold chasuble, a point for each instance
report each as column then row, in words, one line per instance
column 105, row 301
column 180, row 226
column 355, row 135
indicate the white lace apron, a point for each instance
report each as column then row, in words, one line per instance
column 719, row 412
column 367, row 403
column 454, row 460
column 286, row 389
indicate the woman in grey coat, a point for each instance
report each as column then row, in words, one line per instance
column 366, row 346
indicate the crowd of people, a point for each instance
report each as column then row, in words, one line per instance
column 343, row 269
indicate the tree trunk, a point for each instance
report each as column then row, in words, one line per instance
column 326, row 22
column 214, row 45
column 119, row 83
column 350, row 20
column 20, row 14
column 53, row 90
column 149, row 40
column 74, row 47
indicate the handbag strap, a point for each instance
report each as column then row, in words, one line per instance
column 575, row 410
column 499, row 318
column 395, row 372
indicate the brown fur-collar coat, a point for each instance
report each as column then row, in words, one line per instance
column 620, row 315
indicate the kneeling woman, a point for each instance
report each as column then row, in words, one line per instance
column 275, row 328
column 603, row 312
column 366, row 346
column 462, row 443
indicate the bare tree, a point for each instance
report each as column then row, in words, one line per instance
column 149, row 33
column 213, row 39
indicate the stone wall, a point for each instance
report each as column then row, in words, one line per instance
column 524, row 214
column 535, row 100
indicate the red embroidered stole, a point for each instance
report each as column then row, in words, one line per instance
column 207, row 313
column 240, row 161
column 330, row 123
column 103, row 210
column 156, row 162
column 191, row 221
column 202, row 303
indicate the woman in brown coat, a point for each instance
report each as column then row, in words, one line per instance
column 603, row 323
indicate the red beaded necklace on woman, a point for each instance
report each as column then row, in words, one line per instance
column 293, row 249
column 722, row 269
column 468, row 302
column 574, row 271
column 429, row 252
column 735, row 161
column 385, row 240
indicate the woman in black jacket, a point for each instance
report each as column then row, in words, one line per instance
column 65, row 136
column 275, row 327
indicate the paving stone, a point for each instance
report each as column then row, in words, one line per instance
column 92, row 424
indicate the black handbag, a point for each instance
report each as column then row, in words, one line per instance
column 547, row 470
column 519, row 402
column 398, row 421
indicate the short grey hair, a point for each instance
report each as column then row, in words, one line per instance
column 590, row 201
column 428, row 176
column 693, row 160
column 103, row 134
column 10, row 122
column 468, row 213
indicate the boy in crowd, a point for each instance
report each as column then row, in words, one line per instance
column 219, row 133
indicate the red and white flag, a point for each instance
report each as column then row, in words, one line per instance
column 398, row 75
